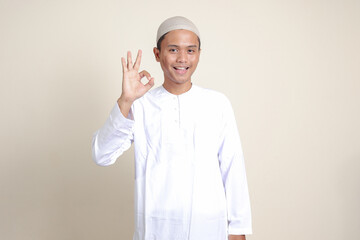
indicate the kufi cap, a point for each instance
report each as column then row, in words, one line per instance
column 175, row 23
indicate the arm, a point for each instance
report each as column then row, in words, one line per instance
column 116, row 135
column 232, row 168
column 113, row 138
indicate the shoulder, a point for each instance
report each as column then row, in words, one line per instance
column 213, row 100
column 211, row 96
column 151, row 94
column 154, row 92
column 149, row 102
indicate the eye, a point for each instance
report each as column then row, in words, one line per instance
column 191, row 51
column 173, row 50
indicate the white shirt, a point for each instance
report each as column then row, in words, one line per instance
column 190, row 180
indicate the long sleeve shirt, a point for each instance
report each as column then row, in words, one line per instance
column 190, row 180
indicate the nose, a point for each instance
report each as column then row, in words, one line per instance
column 182, row 57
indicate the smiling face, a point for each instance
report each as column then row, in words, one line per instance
column 178, row 57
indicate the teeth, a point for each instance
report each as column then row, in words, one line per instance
column 181, row 68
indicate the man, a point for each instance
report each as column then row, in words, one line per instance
column 190, row 181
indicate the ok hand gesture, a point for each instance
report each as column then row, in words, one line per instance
column 132, row 87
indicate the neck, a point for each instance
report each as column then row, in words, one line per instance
column 177, row 88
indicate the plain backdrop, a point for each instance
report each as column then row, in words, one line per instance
column 290, row 68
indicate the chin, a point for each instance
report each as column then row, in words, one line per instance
column 180, row 81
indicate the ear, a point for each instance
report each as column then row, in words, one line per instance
column 156, row 53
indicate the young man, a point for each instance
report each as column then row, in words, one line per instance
column 190, row 181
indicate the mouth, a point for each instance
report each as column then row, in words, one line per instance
column 181, row 70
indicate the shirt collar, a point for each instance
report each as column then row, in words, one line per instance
column 190, row 92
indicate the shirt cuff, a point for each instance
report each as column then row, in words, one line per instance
column 235, row 229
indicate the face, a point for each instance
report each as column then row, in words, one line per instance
column 179, row 56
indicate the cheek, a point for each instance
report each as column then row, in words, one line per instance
column 165, row 65
column 195, row 60
column 167, row 62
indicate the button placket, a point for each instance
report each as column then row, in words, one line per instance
column 177, row 109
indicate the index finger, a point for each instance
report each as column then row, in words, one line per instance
column 138, row 60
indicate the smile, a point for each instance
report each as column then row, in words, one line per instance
column 181, row 68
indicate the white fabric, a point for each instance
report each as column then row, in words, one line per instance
column 189, row 168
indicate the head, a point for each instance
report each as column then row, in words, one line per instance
column 178, row 50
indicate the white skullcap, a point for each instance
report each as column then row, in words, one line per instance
column 175, row 23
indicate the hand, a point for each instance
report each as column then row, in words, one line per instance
column 132, row 87
column 237, row 237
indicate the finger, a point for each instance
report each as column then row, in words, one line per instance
column 150, row 84
column 129, row 61
column 123, row 63
column 138, row 60
column 146, row 74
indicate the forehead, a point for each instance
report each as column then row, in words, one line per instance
column 180, row 37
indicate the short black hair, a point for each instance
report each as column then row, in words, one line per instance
column 158, row 45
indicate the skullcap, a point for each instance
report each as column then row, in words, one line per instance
column 175, row 23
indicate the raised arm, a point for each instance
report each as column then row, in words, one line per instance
column 117, row 134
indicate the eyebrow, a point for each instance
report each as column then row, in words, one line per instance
column 176, row 46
